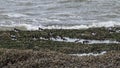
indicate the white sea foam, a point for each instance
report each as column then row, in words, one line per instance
column 93, row 25
column 26, row 26
column 16, row 15
column 67, row 27
column 89, row 54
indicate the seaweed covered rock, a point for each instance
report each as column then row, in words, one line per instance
column 12, row 58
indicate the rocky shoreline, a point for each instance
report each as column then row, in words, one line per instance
column 18, row 44
column 12, row 58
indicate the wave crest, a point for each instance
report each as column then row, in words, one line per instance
column 93, row 25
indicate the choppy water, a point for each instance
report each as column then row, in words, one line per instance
column 67, row 14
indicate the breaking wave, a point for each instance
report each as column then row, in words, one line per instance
column 93, row 25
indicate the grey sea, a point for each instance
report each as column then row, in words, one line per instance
column 57, row 14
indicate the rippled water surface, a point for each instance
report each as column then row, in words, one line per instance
column 59, row 12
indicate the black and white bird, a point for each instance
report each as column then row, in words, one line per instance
column 13, row 37
column 85, row 42
column 16, row 30
column 76, row 41
column 40, row 29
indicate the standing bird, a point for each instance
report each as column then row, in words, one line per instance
column 16, row 30
column 13, row 37
column 40, row 29
column 85, row 42
column 76, row 41
column 61, row 37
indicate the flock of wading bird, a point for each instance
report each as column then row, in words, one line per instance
column 37, row 37
column 48, row 36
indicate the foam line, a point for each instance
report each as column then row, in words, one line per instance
column 93, row 25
